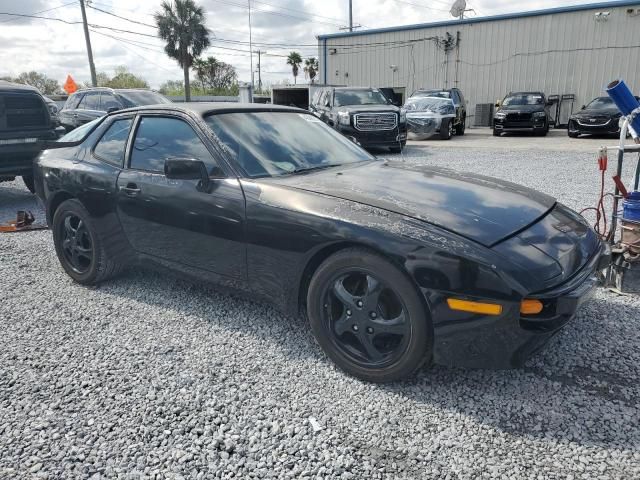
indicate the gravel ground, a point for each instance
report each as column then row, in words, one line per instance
column 150, row 376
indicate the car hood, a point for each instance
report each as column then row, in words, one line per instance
column 368, row 108
column 480, row 208
column 611, row 112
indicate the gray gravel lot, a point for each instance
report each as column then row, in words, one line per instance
column 150, row 376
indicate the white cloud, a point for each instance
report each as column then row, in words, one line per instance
column 58, row 49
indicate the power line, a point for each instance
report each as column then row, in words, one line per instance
column 122, row 18
column 36, row 13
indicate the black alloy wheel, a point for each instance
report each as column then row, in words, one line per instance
column 368, row 317
column 77, row 246
column 368, row 320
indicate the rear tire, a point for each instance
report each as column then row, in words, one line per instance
column 375, row 327
column 79, row 246
column 496, row 133
column 395, row 149
column 29, row 183
column 573, row 134
column 461, row 127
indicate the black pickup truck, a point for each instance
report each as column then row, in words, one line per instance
column 25, row 122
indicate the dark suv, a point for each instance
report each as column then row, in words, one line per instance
column 364, row 114
column 25, row 122
column 522, row 112
column 459, row 103
column 91, row 103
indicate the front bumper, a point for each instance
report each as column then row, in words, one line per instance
column 611, row 127
column 531, row 125
column 508, row 340
column 376, row 138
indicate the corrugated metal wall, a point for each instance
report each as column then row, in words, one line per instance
column 559, row 53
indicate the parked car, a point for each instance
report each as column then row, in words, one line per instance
column 428, row 116
column 460, row 104
column 362, row 114
column 601, row 116
column 25, row 122
column 395, row 264
column 91, row 103
column 522, row 112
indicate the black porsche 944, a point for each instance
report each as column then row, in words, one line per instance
column 394, row 264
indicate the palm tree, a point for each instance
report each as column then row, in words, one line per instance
column 311, row 68
column 294, row 59
column 181, row 24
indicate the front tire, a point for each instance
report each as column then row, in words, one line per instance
column 367, row 316
column 79, row 247
column 446, row 129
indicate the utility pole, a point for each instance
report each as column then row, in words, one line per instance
column 250, row 46
column 259, row 52
column 350, row 15
column 92, row 67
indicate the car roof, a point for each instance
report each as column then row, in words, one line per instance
column 4, row 85
column 525, row 93
column 202, row 109
column 354, row 88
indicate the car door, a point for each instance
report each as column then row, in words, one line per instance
column 108, row 102
column 88, row 109
column 174, row 221
column 457, row 102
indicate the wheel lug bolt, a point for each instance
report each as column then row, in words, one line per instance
column 355, row 328
column 373, row 315
column 348, row 313
column 359, row 303
column 369, row 330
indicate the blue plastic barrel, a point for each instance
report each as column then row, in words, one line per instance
column 631, row 207
column 625, row 101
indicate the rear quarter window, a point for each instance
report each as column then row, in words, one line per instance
column 111, row 146
column 72, row 101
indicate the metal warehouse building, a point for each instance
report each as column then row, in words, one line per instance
column 570, row 52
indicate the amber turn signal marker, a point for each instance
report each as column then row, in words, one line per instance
column 531, row 307
column 474, row 307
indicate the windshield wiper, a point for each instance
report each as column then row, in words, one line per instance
column 311, row 169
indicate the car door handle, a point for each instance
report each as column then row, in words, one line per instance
column 131, row 189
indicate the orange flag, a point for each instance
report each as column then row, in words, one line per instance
column 70, row 86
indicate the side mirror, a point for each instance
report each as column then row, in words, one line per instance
column 112, row 109
column 497, row 105
column 583, row 107
column 187, row 169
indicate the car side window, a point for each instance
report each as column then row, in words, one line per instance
column 111, row 146
column 72, row 101
column 456, row 98
column 107, row 101
column 90, row 101
column 160, row 138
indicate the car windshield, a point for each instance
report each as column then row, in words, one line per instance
column 602, row 103
column 524, row 99
column 142, row 97
column 279, row 143
column 431, row 93
column 359, row 97
column 442, row 106
column 80, row 132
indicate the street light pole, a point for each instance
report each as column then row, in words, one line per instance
column 94, row 80
column 351, row 15
column 250, row 46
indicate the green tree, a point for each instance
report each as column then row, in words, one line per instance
column 123, row 78
column 294, row 59
column 172, row 87
column 46, row 85
column 214, row 75
column 311, row 68
column 181, row 25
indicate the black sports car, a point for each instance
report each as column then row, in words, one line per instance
column 601, row 116
column 395, row 264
